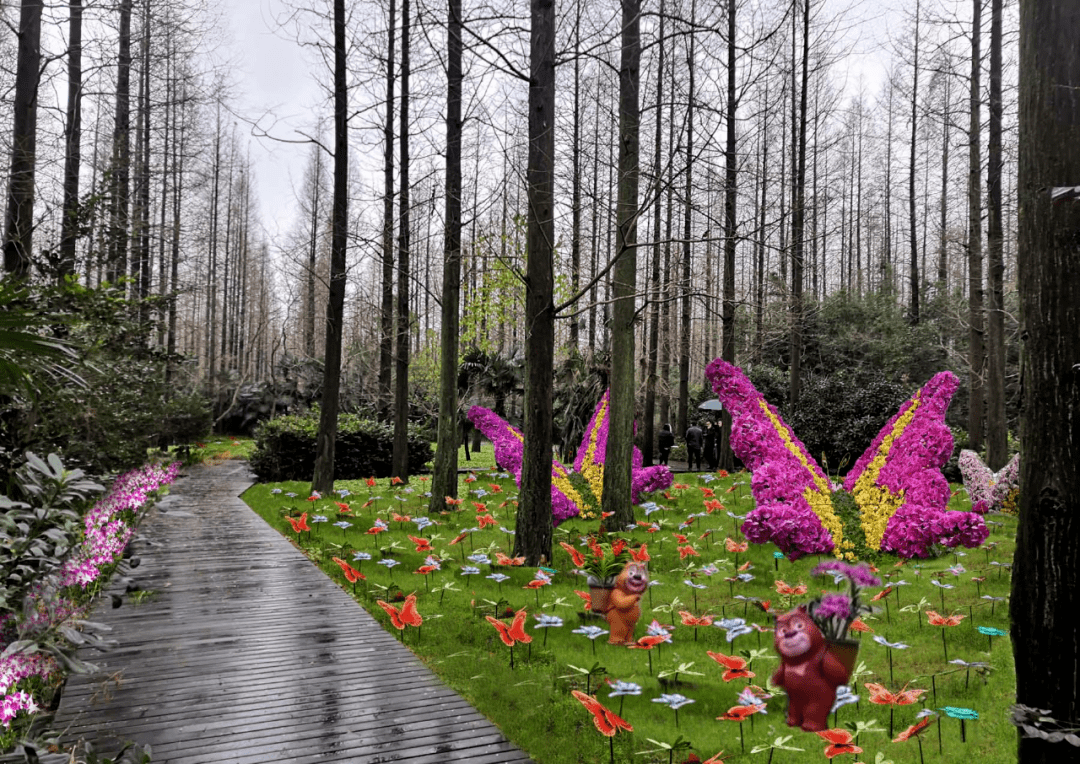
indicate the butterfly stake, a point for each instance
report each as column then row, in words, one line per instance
column 779, row 744
column 512, row 634
column 406, row 616
column 741, row 714
column 883, row 697
column 914, row 731
column 606, row 721
column 944, row 622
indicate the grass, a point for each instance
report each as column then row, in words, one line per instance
column 532, row 702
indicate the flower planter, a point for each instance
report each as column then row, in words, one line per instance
column 600, row 592
column 844, row 650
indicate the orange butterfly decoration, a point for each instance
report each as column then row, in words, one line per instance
column 735, row 547
column 368, row 503
column 882, row 594
column 585, row 596
column 746, row 566
column 480, row 507
column 640, row 554
column 406, row 616
column 712, row 505
column 706, row 493
column 422, row 544
column 840, row 740
column 299, row 525
column 513, row 633
column 343, row 508
column 371, row 482
column 604, row 718
column 459, row 538
column 681, row 538
column 595, row 548
column 352, row 575
column 717, row 759
column 882, row 697
column 452, row 502
column 736, row 666
column 395, row 480
column 495, row 487
column 648, row 642
column 502, row 559
column 536, row 583
column 423, row 570
column 484, row 521
column 375, row 530
column 937, row 620
column 618, row 546
column 471, row 478
column 913, row 730
column 399, row 518
column 689, row 619
column 687, row 551
column 575, row 556
column 740, row 713
column 858, row 625
column 783, row 588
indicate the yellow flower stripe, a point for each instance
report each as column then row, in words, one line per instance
column 559, row 479
column 877, row 503
column 818, row 496
column 590, row 470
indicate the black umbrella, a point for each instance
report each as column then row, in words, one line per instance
column 711, row 405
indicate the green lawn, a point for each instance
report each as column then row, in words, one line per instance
column 531, row 702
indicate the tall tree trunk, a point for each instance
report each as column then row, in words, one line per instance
column 178, row 146
column 313, row 253
column 140, row 260
column 648, row 434
column 1046, row 577
column 997, row 448
column 121, row 160
column 798, row 218
column 913, row 307
column 575, row 202
column 444, row 478
column 620, row 439
column 19, row 221
column 943, row 253
column 727, row 348
column 323, row 479
column 69, row 224
column 400, row 459
column 687, row 262
column 667, row 312
column 534, row 524
column 976, row 341
column 386, row 314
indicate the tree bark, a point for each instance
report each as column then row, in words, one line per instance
column 620, row 439
column 400, row 459
column 649, row 431
column 913, row 306
column 798, row 218
column 976, row 341
column 444, row 478
column 386, row 314
column 727, row 347
column 121, row 162
column 323, row 480
column 997, row 448
column 69, row 222
column 534, row 523
column 19, row 222
column 1046, row 577
column 687, row 261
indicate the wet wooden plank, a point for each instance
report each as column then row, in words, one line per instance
column 247, row 653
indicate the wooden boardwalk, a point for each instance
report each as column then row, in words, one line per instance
column 246, row 653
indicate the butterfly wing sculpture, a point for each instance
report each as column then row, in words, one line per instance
column 606, row 721
column 897, row 484
column 990, row 491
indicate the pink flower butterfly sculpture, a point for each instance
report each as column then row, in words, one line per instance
column 897, row 484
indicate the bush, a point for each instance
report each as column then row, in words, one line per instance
column 285, row 448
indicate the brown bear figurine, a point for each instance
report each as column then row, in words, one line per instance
column 622, row 609
column 808, row 673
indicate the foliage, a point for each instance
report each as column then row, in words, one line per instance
column 40, row 527
column 285, row 448
column 108, row 404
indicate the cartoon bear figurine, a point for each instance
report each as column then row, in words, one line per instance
column 808, row 673
column 623, row 609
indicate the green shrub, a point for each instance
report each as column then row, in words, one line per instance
column 285, row 448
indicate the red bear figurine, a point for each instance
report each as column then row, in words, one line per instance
column 622, row 610
column 808, row 673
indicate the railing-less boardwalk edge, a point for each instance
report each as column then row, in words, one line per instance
column 246, row 652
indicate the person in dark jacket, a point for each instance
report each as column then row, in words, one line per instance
column 712, row 436
column 666, row 441
column 695, row 439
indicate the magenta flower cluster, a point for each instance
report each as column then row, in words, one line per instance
column 780, row 473
column 509, row 446
column 988, row 490
column 105, row 534
column 913, row 469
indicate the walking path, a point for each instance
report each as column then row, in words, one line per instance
column 246, row 652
